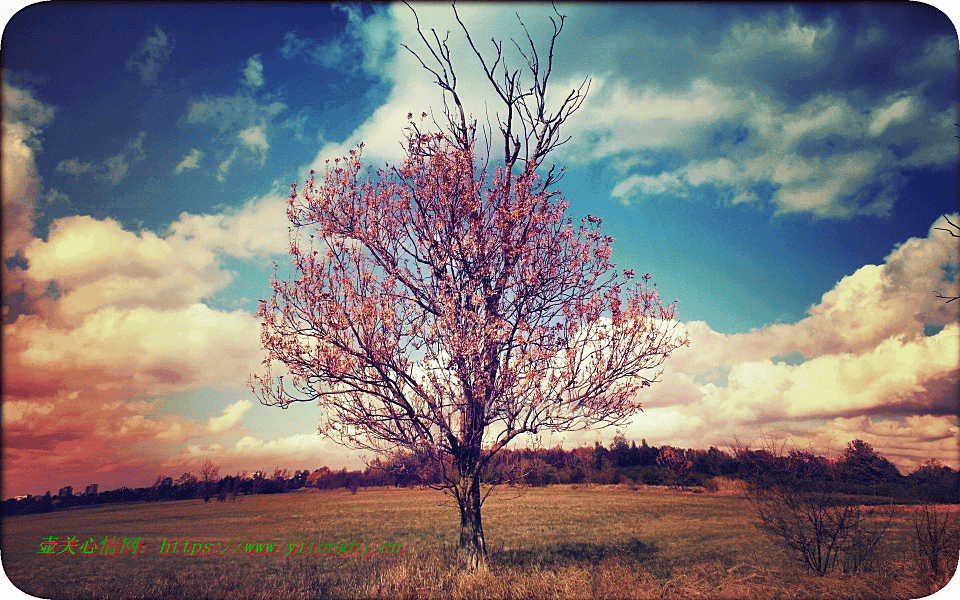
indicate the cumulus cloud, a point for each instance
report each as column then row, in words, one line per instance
column 24, row 118
column 96, row 264
column 152, row 55
column 230, row 113
column 224, row 167
column 866, row 368
column 253, row 453
column 258, row 229
column 128, row 321
column 780, row 36
column 825, row 157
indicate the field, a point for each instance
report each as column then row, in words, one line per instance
column 555, row 542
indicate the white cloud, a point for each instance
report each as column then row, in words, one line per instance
column 364, row 43
column 190, row 161
column 253, row 72
column 230, row 113
column 781, row 35
column 97, row 264
column 141, row 349
column 224, row 167
column 867, row 369
column 152, row 55
column 231, row 417
column 824, row 157
column 899, row 111
column 114, row 169
column 255, row 140
column 24, row 118
column 258, row 229
column 243, row 123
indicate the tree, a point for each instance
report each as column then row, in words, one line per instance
column 675, row 465
column 445, row 308
column 209, row 475
column 795, row 502
column 860, row 464
column 954, row 231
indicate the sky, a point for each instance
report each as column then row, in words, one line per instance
column 781, row 170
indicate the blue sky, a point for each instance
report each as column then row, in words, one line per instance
column 779, row 169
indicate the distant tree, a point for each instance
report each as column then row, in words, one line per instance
column 934, row 482
column 209, row 476
column 445, row 307
column 648, row 454
column 675, row 465
column 860, row 464
column 280, row 478
column 187, row 485
column 46, row 503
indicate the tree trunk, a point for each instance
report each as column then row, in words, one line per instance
column 473, row 547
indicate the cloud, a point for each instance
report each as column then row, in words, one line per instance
column 899, row 111
column 864, row 361
column 190, row 161
column 151, row 56
column 74, row 167
column 780, row 36
column 96, row 264
column 824, row 157
column 256, row 230
column 252, row 452
column 229, row 113
column 24, row 119
column 231, row 417
column 114, row 169
column 243, row 123
column 365, row 43
column 888, row 379
column 255, row 140
column 224, row 167
column 253, row 72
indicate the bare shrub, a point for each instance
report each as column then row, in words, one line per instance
column 936, row 539
column 795, row 503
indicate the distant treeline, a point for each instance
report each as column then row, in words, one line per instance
column 859, row 470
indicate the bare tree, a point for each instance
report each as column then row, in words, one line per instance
column 209, row 476
column 795, row 502
column 936, row 538
column 954, row 231
column 444, row 309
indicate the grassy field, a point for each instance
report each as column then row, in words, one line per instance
column 556, row 542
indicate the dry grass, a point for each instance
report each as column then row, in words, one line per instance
column 556, row 542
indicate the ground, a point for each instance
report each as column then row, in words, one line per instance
column 556, row 542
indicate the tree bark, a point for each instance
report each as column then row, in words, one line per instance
column 473, row 547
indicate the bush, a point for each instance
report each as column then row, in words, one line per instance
column 821, row 528
column 936, row 539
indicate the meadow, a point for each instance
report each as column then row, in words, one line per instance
column 552, row 542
